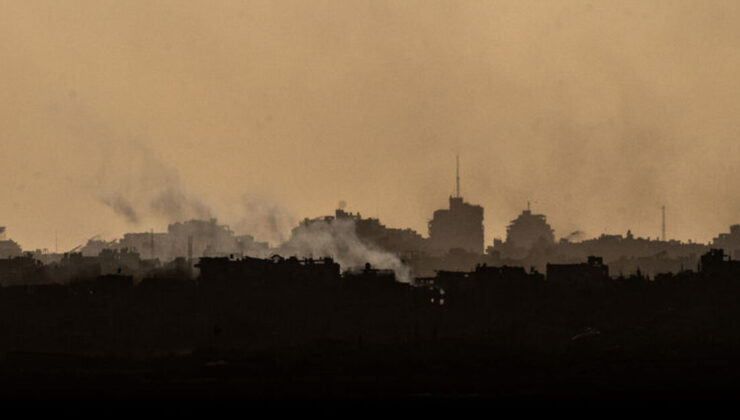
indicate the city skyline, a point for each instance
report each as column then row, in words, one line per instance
column 288, row 221
column 574, row 236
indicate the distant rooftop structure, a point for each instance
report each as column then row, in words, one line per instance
column 8, row 247
column 581, row 275
column 729, row 242
column 370, row 230
column 716, row 264
column 192, row 238
column 528, row 229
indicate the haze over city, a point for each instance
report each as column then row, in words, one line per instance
column 125, row 116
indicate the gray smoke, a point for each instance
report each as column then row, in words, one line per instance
column 575, row 236
column 134, row 183
column 264, row 218
column 338, row 239
column 121, row 206
column 172, row 204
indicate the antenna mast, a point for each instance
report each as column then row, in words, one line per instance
column 457, row 175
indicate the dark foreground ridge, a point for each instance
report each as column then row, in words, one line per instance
column 298, row 328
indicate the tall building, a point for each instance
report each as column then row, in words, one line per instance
column 460, row 226
column 529, row 229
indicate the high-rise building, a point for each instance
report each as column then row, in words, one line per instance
column 529, row 229
column 459, row 227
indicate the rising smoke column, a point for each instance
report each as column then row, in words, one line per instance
column 338, row 239
column 264, row 217
column 134, row 183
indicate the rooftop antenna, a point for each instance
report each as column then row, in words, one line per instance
column 457, row 175
column 528, row 209
column 663, row 224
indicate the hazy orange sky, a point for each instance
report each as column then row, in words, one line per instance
column 598, row 112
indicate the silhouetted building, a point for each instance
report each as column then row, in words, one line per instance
column 370, row 230
column 8, row 247
column 122, row 261
column 372, row 277
column 524, row 233
column 224, row 272
column 21, row 270
column 105, row 285
column 209, row 239
column 625, row 254
column 460, row 226
column 592, row 273
column 730, row 242
column 95, row 246
column 715, row 264
column 75, row 266
column 483, row 276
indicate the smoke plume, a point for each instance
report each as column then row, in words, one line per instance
column 338, row 239
column 121, row 206
column 575, row 236
column 265, row 218
column 134, row 183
